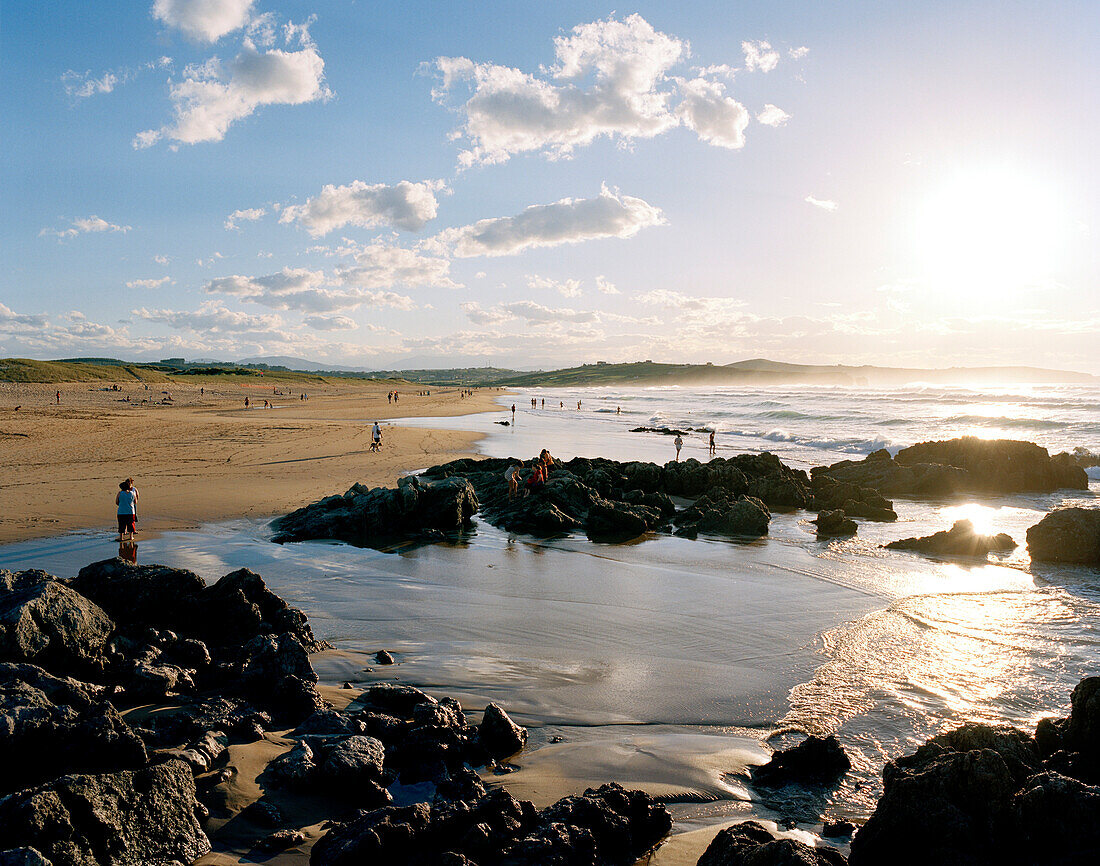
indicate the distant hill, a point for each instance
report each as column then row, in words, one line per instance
column 50, row 372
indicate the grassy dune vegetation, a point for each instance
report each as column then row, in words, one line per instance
column 29, row 371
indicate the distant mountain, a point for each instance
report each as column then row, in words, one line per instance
column 301, row 364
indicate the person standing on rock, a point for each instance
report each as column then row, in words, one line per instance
column 679, row 443
column 126, row 500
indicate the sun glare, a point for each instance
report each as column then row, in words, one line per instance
column 992, row 228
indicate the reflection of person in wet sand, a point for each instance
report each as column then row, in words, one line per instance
column 127, row 549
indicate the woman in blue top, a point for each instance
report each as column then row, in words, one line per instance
column 126, row 500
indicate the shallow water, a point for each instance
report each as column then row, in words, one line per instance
column 665, row 663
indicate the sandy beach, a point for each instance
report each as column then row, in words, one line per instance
column 203, row 457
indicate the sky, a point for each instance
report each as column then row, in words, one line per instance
column 538, row 185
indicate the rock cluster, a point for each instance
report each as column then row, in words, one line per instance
column 372, row 517
column 960, row 540
column 1066, row 535
column 965, row 465
column 814, row 761
column 752, row 844
column 993, row 795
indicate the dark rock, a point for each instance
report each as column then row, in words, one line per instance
column 329, row 722
column 723, row 513
column 353, row 761
column 839, row 828
column 751, row 844
column 1057, row 820
column 295, row 769
column 141, row 595
column 275, row 671
column 263, row 813
column 835, row 523
column 383, row 657
column 378, row 516
column 1066, row 535
column 397, row 699
column 240, row 606
column 45, row 622
column 959, row 540
column 816, row 760
column 500, row 736
column 111, row 819
column 853, row 500
column 620, row 521
column 50, row 725
column 966, row 465
column 203, row 754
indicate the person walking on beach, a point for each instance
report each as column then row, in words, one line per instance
column 513, row 413
column 712, row 447
column 376, row 438
column 126, row 500
column 679, row 443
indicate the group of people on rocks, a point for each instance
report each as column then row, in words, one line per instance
column 540, row 474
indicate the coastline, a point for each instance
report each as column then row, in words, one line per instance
column 203, row 457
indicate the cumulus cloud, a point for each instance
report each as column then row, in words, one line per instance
column 249, row 215
column 405, row 205
column 203, row 20
column 531, row 312
column 759, row 56
column 608, row 215
column 613, row 78
column 381, row 265
column 798, row 53
column 716, row 118
column 214, row 95
column 211, row 316
column 772, row 115
column 823, row 203
column 12, row 321
column 568, row 288
column 303, row 290
column 148, row 284
column 87, row 225
column 330, row 323
column 606, row 287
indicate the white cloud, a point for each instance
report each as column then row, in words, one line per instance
column 823, row 203
column 606, row 287
column 304, row 290
column 330, row 323
column 532, row 313
column 773, row 115
column 11, row 321
column 212, row 96
column 249, row 214
column 798, row 53
column 759, row 56
column 405, row 205
column 87, row 225
column 381, row 265
column 716, row 118
column 205, row 263
column 692, row 308
column 387, row 299
column 203, row 20
column 608, row 215
column 568, row 288
column 81, row 86
column 161, row 260
column 148, row 284
column 212, row 316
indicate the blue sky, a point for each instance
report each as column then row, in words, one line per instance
column 535, row 184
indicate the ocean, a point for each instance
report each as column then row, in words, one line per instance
column 673, row 664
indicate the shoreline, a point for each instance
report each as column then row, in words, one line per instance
column 203, row 458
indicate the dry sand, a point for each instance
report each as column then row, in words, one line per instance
column 203, row 458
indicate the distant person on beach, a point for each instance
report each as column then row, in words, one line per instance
column 679, row 443
column 512, row 477
column 578, row 405
column 561, row 404
column 712, row 447
column 513, row 413
column 58, row 398
column 376, row 438
column 245, row 402
column 543, row 402
column 618, row 410
column 126, row 499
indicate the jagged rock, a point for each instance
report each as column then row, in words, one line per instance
column 203, row 754
column 500, row 736
column 1057, row 820
column 23, row 857
column 141, row 595
column 723, row 513
column 851, row 499
column 833, row 829
column 751, row 844
column 816, row 760
column 295, row 769
column 1066, row 535
column 45, row 622
column 835, row 523
column 377, row 516
column 620, row 521
column 354, row 760
column 397, row 699
column 383, row 657
column 50, row 726
column 960, row 540
column 112, row 819
column 240, row 606
column 280, row 840
column 608, row 825
column 965, row 465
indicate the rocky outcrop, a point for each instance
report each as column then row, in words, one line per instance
column 835, row 523
column 960, row 540
column 724, row 513
column 851, row 500
column 814, row 761
column 966, row 465
column 499, row 735
column 986, row 796
column 379, row 516
column 1066, row 535
column 43, row 621
column 110, row 819
column 751, row 844
column 606, row 825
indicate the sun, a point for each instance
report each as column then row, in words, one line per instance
column 992, row 228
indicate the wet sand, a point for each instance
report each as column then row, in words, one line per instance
column 203, row 457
